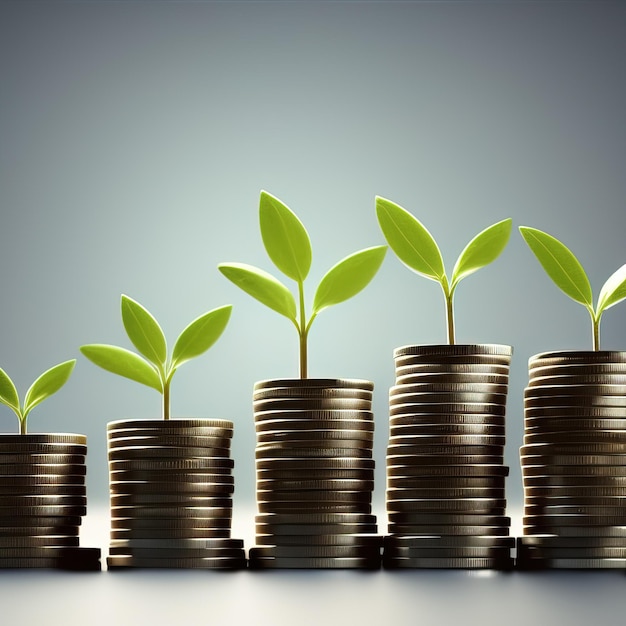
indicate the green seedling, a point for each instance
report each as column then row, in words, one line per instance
column 566, row 271
column 47, row 384
column 288, row 246
column 157, row 368
column 418, row 250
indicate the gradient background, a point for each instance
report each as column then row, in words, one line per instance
column 134, row 140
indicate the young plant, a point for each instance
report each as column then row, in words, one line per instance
column 48, row 383
column 288, row 246
column 157, row 369
column 566, row 271
column 417, row 249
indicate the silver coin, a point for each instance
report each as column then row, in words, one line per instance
column 410, row 511
column 315, row 563
column 300, row 440
column 430, row 398
column 450, row 378
column 161, row 534
column 447, row 440
column 449, row 408
column 416, row 494
column 442, row 484
column 448, row 451
column 576, row 493
column 308, row 506
column 299, row 463
column 447, row 552
column 30, row 449
column 146, row 499
column 537, row 470
column 496, row 563
column 449, row 541
column 278, row 452
column 549, row 541
column 312, row 404
column 358, row 474
column 306, row 383
column 312, row 392
column 449, row 530
column 556, row 391
column 171, row 424
column 453, row 350
column 318, row 415
column 318, row 496
column 7, row 441
column 331, row 552
column 574, row 412
column 576, row 438
column 435, row 459
column 574, row 401
column 315, row 485
column 450, row 430
column 289, row 425
column 449, row 368
column 447, row 388
column 372, row 541
column 579, row 368
column 315, row 529
column 588, row 426
column 577, row 380
column 125, row 561
column 566, row 357
column 205, row 465
column 398, row 468
column 165, row 431
column 175, row 441
column 156, row 453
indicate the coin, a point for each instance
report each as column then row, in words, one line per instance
column 566, row 402
column 559, row 520
column 548, row 425
column 450, row 452
column 178, row 553
column 448, row 530
column 41, row 481
column 556, row 472
column 321, row 474
column 372, row 541
column 413, row 494
column 599, row 508
column 290, row 425
column 427, row 398
column 38, row 521
column 572, row 459
column 42, row 510
column 498, row 563
column 276, row 452
column 577, row 379
column 314, row 529
column 332, row 552
column 316, row 485
column 447, row 440
column 420, row 542
column 27, row 500
column 568, row 357
column 543, row 541
column 155, row 453
column 477, row 470
column 312, row 392
column 297, row 443
column 315, row 563
column 576, row 491
column 445, row 519
column 430, row 483
column 572, row 412
column 37, row 541
column 167, row 499
column 462, row 419
column 158, row 476
column 312, row 404
column 174, row 425
column 306, row 383
column 210, row 543
column 165, row 524
column 450, row 430
column 452, row 369
column 320, row 496
column 582, row 439
column 160, row 533
column 576, row 448
column 315, row 518
column 364, row 438
column 310, row 415
column 447, row 552
column 24, row 463
column 453, row 350
column 435, row 459
column 29, row 448
column 8, row 440
column 205, row 464
column 454, row 408
column 413, row 510
column 176, row 441
column 446, row 380
column 172, row 487
column 315, row 464
column 309, row 506
column 123, row 561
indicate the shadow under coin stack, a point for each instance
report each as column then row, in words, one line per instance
column 315, row 475
column 574, row 462
column 42, row 501
column 171, row 490
column 445, row 473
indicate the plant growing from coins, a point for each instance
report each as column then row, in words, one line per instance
column 47, row 384
column 287, row 243
column 569, row 275
column 153, row 367
column 418, row 250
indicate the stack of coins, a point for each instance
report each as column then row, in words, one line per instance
column 445, row 473
column 574, row 462
column 171, row 489
column 315, row 475
column 42, row 501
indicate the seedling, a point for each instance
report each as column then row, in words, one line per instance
column 418, row 250
column 47, row 384
column 288, row 246
column 157, row 369
column 566, row 271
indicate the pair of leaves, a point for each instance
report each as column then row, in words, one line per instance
column 417, row 248
column 288, row 246
column 147, row 336
column 47, row 384
column 569, row 275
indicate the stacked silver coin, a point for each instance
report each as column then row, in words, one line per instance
column 42, row 501
column 445, row 473
column 315, row 475
column 574, row 462
column 171, row 487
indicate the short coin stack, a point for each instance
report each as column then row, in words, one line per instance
column 315, row 475
column 574, row 462
column 171, row 488
column 42, row 501
column 445, row 473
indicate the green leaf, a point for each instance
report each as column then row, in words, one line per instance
column 262, row 286
column 483, row 249
column 8, row 392
column 200, row 335
column 284, row 237
column 613, row 291
column 348, row 277
column 48, row 383
column 123, row 363
column 560, row 264
column 410, row 240
column 144, row 331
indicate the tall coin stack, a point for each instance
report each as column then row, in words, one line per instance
column 171, row 488
column 315, row 475
column 42, row 501
column 445, row 473
column 574, row 462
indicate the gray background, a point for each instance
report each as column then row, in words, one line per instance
column 135, row 138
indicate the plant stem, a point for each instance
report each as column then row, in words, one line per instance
column 596, row 333
column 166, row 399
column 22, row 427
column 450, row 317
column 304, row 332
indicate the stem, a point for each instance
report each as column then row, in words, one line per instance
column 596, row 332
column 304, row 333
column 22, row 427
column 166, row 399
column 449, row 296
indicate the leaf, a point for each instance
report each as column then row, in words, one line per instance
column 8, row 392
column 410, row 240
column 144, row 331
column 200, row 335
column 48, row 383
column 123, row 363
column 284, row 237
column 613, row 291
column 483, row 249
column 262, row 286
column 560, row 264
column 348, row 277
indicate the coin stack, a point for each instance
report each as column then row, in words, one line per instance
column 42, row 501
column 171, row 489
column 315, row 475
column 445, row 473
column 574, row 462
